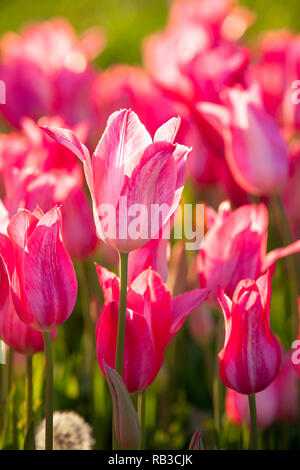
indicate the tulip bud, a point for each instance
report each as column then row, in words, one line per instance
column 126, row 423
column 41, row 274
column 254, row 148
column 196, row 442
column 251, row 355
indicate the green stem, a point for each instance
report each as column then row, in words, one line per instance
column 290, row 262
column 141, row 407
column 29, row 413
column 217, row 384
column 122, row 313
column 49, row 391
column 88, row 336
column 253, row 421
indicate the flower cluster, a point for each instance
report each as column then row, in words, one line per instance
column 95, row 164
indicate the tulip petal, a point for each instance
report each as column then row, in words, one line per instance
column 69, row 139
column 123, row 140
column 183, row 305
column 168, row 131
column 109, row 283
column 278, row 253
column 49, row 285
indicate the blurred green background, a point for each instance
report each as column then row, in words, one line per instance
column 128, row 21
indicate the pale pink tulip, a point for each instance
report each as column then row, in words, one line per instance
column 126, row 169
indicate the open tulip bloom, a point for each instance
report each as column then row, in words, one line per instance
column 130, row 176
column 235, row 247
column 152, row 319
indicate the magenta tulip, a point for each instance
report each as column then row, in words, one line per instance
column 41, row 274
column 152, row 320
column 235, row 248
column 251, row 355
column 254, row 148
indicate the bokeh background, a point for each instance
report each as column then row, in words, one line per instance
column 128, row 21
column 176, row 402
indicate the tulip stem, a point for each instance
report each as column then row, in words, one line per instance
column 49, row 391
column 217, row 385
column 29, row 413
column 253, row 421
column 291, row 261
column 122, row 313
column 141, row 407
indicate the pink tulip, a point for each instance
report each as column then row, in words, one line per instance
column 123, row 86
column 40, row 271
column 279, row 401
column 254, row 148
column 50, row 54
column 271, row 70
column 126, row 169
column 13, row 331
column 235, row 248
column 152, row 320
column 251, row 355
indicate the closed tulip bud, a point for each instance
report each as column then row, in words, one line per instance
column 196, row 442
column 251, row 355
column 126, row 423
column 41, row 274
column 254, row 148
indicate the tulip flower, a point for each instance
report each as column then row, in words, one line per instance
column 271, row 70
column 42, row 281
column 152, row 320
column 126, row 423
column 235, row 248
column 254, row 148
column 128, row 169
column 50, row 54
column 251, row 355
column 41, row 274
